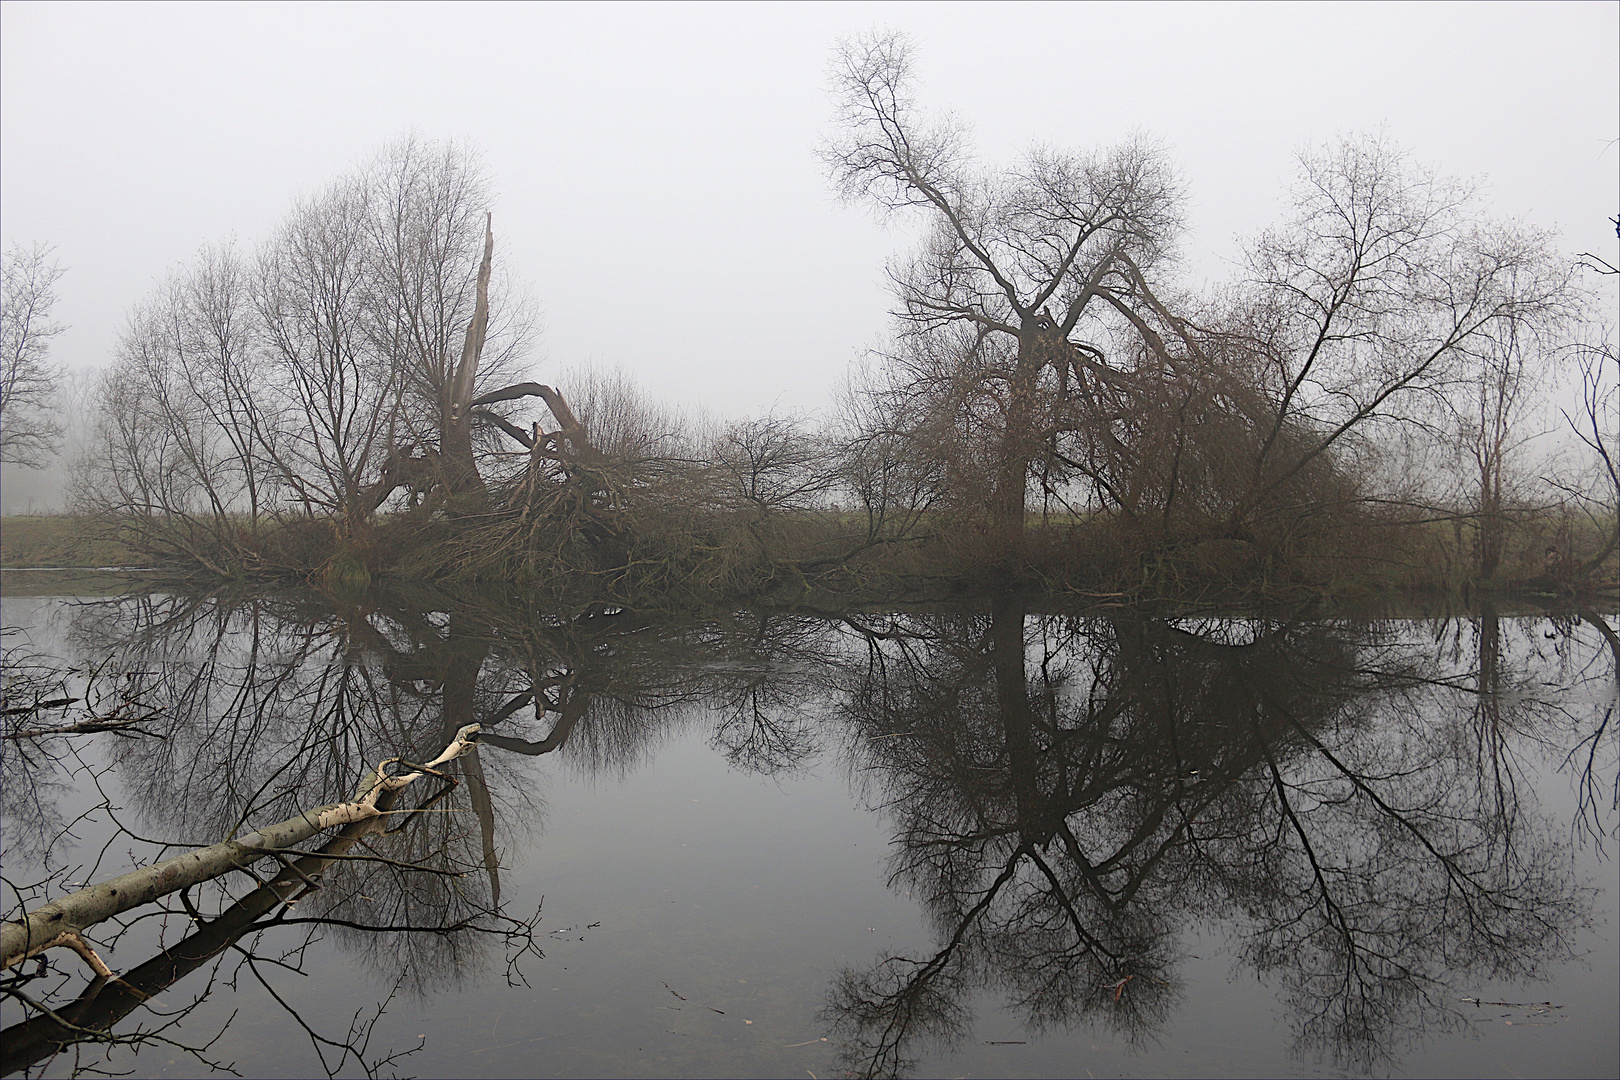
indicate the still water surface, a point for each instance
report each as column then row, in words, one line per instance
column 1003, row 839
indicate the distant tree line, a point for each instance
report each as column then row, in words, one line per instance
column 353, row 396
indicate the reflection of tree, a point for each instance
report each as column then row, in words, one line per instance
column 104, row 1002
column 270, row 703
column 46, row 708
column 1069, row 793
column 63, row 922
column 1594, row 751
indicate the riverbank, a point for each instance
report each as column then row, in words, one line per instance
column 787, row 558
column 61, row 542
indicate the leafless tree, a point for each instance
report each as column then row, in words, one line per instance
column 625, row 423
column 1023, row 259
column 1492, row 430
column 1594, row 424
column 772, row 463
column 434, row 286
column 1381, row 293
column 352, row 357
column 892, row 477
column 1594, row 489
column 1042, row 346
column 1062, row 787
column 337, row 393
column 183, row 437
column 1387, row 300
column 28, row 378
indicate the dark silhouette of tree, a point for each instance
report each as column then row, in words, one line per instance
column 1066, row 791
column 1043, row 346
column 1016, row 262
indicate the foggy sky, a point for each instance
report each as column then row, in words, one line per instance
column 655, row 167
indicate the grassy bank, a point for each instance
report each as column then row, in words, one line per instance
column 716, row 556
column 61, row 541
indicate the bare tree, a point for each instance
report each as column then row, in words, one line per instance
column 1022, row 258
column 1597, row 494
column 28, row 379
column 1054, row 817
column 625, row 423
column 432, row 252
column 337, row 392
column 1594, row 424
column 184, row 440
column 892, row 481
column 1388, row 287
column 1492, row 430
column 772, row 463
column 352, row 358
column 1387, row 300
column 1042, row 348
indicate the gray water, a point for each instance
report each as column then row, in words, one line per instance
column 995, row 839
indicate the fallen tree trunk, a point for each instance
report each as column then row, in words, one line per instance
column 45, row 925
column 106, row 1001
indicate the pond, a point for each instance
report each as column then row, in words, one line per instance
column 1008, row 837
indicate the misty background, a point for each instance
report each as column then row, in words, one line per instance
column 658, row 186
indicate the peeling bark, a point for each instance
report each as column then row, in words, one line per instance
column 109, row 999
column 51, row 923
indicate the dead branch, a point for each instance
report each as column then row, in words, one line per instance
column 54, row 703
column 71, row 914
column 511, row 393
column 83, row 727
column 106, row 1001
column 472, row 349
column 505, row 425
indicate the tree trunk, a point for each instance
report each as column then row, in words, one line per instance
column 463, row 485
column 1017, row 725
column 1020, row 443
column 1491, row 527
column 87, row 907
column 79, row 911
column 104, row 1003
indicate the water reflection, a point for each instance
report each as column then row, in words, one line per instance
column 1069, row 793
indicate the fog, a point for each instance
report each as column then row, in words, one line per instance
column 659, row 189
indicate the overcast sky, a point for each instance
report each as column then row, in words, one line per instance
column 655, row 168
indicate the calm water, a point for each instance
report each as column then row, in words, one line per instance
column 1009, row 840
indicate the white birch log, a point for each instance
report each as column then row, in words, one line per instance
column 45, row 925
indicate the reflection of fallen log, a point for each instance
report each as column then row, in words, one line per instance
column 106, row 1001
column 46, row 925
